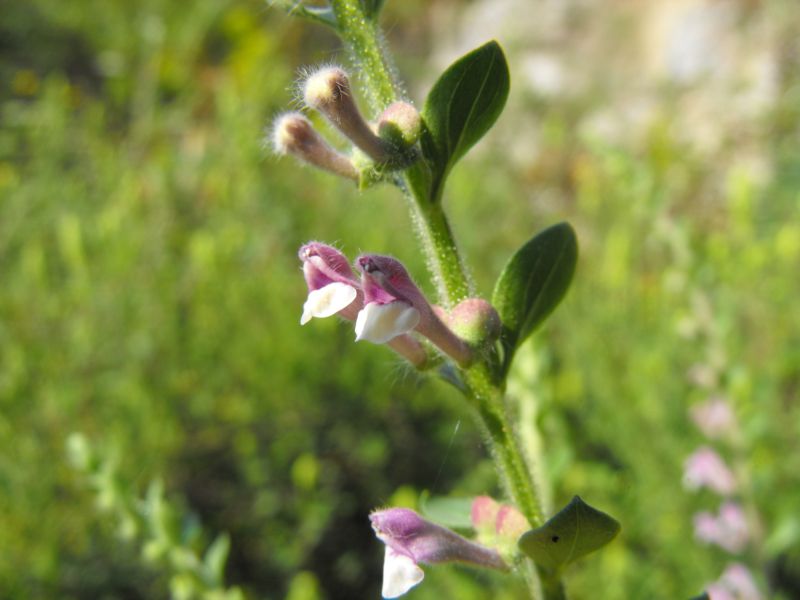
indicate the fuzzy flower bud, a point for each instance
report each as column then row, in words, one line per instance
column 293, row 134
column 498, row 526
column 328, row 91
column 400, row 125
column 475, row 320
column 484, row 514
column 393, row 304
column 411, row 540
column 334, row 289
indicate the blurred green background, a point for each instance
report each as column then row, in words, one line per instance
column 151, row 295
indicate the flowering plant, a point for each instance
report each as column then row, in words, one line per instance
column 468, row 340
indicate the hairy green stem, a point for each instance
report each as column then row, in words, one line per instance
column 444, row 261
column 489, row 401
column 363, row 37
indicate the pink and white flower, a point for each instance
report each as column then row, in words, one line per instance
column 411, row 540
column 393, row 305
column 332, row 286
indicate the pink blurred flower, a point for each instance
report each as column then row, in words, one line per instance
column 714, row 417
column 729, row 529
column 705, row 468
column 735, row 583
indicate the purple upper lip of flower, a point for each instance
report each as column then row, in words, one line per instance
column 377, row 285
column 324, row 264
column 366, row 264
column 403, row 523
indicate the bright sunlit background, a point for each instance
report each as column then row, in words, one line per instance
column 151, row 359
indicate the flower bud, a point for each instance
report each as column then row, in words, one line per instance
column 293, row 134
column 328, row 91
column 411, row 540
column 475, row 320
column 498, row 526
column 511, row 523
column 400, row 125
column 484, row 514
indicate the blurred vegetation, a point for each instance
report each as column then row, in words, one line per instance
column 151, row 295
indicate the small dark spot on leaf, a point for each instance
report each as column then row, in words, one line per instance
column 555, row 538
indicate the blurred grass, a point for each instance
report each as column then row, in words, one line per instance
column 151, row 296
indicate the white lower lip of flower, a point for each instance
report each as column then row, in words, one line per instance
column 327, row 301
column 379, row 323
column 400, row 574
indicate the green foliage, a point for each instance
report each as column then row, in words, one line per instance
column 461, row 107
column 169, row 538
column 573, row 532
column 533, row 283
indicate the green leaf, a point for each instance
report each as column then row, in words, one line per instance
column 575, row 531
column 321, row 14
column 447, row 511
column 372, row 8
column 533, row 283
column 215, row 558
column 463, row 104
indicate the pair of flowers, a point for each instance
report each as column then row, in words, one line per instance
column 384, row 302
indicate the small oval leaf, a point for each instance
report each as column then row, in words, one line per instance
column 533, row 283
column 322, row 15
column 575, row 531
column 215, row 558
column 461, row 107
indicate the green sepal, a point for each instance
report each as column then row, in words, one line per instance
column 371, row 173
column 461, row 107
column 573, row 532
column 533, row 283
